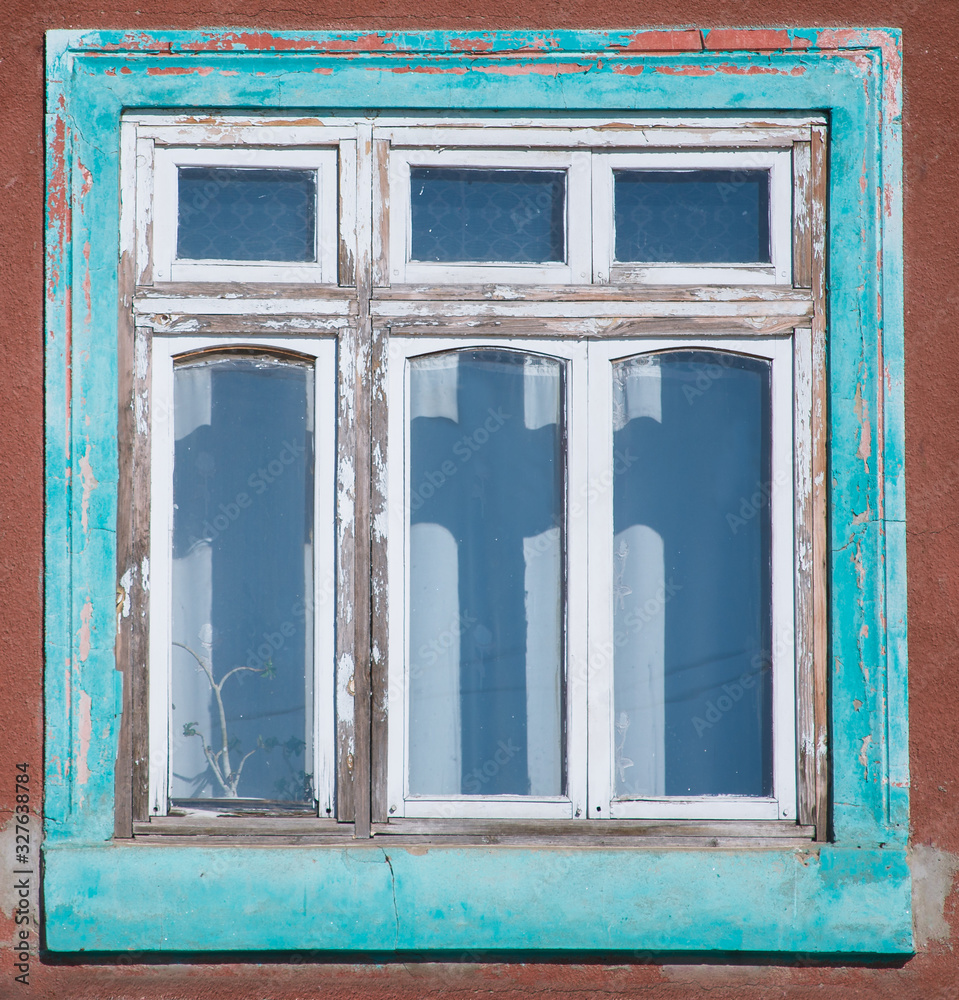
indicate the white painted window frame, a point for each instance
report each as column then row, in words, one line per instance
column 401, row 803
column 607, row 269
column 165, row 202
column 588, row 607
column 602, row 801
column 576, row 269
column 165, row 351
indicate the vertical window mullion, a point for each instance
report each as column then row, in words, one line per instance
column 597, row 498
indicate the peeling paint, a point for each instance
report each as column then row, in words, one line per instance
column 86, row 616
column 864, row 755
column 84, row 733
column 88, row 483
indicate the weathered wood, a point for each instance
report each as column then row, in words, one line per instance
column 213, row 824
column 346, row 228
column 804, row 579
column 244, row 290
column 489, row 292
column 820, row 417
column 289, row 324
column 361, row 458
column 607, row 134
column 214, row 304
column 802, row 212
column 611, row 328
column 381, row 213
column 587, row 310
column 379, row 579
column 126, row 547
column 560, row 830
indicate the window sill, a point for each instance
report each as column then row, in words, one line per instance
column 390, row 897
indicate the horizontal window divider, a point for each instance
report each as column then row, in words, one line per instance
column 800, row 309
column 612, row 328
column 285, row 324
column 273, row 133
column 214, row 305
column 610, row 134
column 246, row 290
column 495, row 292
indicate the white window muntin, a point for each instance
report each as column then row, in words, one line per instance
column 602, row 803
column 165, row 351
column 166, row 265
column 777, row 272
column 577, row 267
column 401, row 803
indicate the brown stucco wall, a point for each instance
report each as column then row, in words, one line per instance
column 931, row 51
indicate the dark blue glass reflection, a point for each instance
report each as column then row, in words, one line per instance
column 692, row 216
column 242, row 657
column 240, row 213
column 512, row 216
column 691, row 501
column 486, row 513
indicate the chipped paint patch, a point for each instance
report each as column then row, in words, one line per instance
column 753, row 40
column 86, row 616
column 861, row 409
column 84, row 732
column 88, row 483
column 685, row 40
column 864, row 755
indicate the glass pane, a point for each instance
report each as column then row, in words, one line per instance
column 242, row 656
column 513, row 216
column 692, row 216
column 486, row 596
column 241, row 213
column 691, row 556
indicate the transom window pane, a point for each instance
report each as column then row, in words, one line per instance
column 470, row 215
column 242, row 642
column 692, row 584
column 245, row 213
column 485, row 489
column 692, row 216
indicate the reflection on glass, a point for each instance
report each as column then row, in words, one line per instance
column 243, row 213
column 692, row 590
column 486, row 540
column 242, row 656
column 511, row 216
column 692, row 216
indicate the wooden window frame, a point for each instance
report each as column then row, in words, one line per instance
column 374, row 300
column 165, row 352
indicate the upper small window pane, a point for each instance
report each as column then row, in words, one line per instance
column 242, row 213
column 474, row 215
column 692, row 216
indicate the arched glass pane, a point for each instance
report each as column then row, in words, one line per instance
column 485, row 494
column 692, row 586
column 242, row 627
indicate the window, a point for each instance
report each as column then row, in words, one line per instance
column 492, row 527
column 590, row 558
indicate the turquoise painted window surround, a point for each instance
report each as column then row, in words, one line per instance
column 848, row 896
